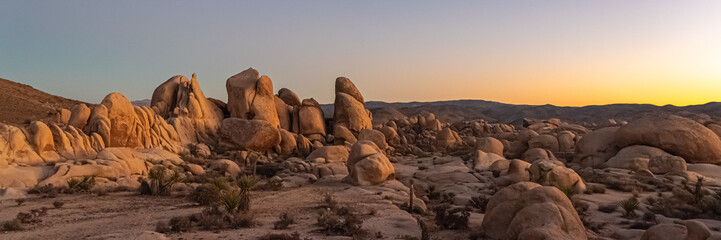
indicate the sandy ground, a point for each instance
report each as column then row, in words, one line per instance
column 125, row 215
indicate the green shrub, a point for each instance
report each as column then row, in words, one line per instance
column 231, row 200
column 629, row 206
column 161, row 182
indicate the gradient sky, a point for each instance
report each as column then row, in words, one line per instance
column 525, row 52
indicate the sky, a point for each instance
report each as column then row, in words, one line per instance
column 568, row 53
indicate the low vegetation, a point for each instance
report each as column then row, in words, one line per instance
column 451, row 218
column 334, row 219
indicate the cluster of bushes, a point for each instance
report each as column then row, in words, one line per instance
column 334, row 219
column 161, row 181
column 34, row 216
column 227, row 206
column 688, row 201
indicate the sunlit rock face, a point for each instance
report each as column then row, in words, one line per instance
column 250, row 96
column 183, row 104
column 679, row 136
column 350, row 110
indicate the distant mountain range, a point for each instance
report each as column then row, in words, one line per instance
column 459, row 110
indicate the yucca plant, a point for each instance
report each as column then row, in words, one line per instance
column 231, row 200
column 246, row 184
column 220, row 183
column 73, row 183
column 161, row 182
column 629, row 206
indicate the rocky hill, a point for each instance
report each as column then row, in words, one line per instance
column 20, row 103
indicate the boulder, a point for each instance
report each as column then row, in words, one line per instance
column 530, row 211
column 447, row 138
column 349, row 106
column 689, row 230
column 538, row 154
column 547, row 142
column 195, row 169
column 42, row 139
column 679, row 136
column 253, row 135
column 516, row 172
column 549, row 173
column 310, row 118
column 226, row 166
column 640, row 157
column 391, row 135
column 79, row 116
column 490, row 145
column 342, row 134
column 123, row 121
column 250, row 96
column 597, row 147
column 367, row 165
column 375, row 136
column 14, row 147
column 483, row 160
column 201, row 150
column 566, row 142
column 285, row 114
column 289, row 97
column 181, row 101
column 288, row 144
column 331, row 154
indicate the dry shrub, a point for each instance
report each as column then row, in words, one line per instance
column 284, row 221
column 448, row 218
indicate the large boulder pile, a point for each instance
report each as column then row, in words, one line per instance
column 132, row 126
column 529, row 211
column 367, row 165
column 183, row 104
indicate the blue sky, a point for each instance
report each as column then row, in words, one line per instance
column 537, row 52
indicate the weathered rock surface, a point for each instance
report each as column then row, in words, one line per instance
column 597, row 147
column 447, row 138
column 331, row 154
column 679, row 136
column 254, row 135
column 367, row 165
column 250, row 96
column 549, row 173
column 79, row 116
column 529, row 211
column 490, row 145
column 289, row 97
column 374, row 136
column 310, row 118
column 350, row 111
column 640, row 157
column 689, row 230
column 183, row 104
